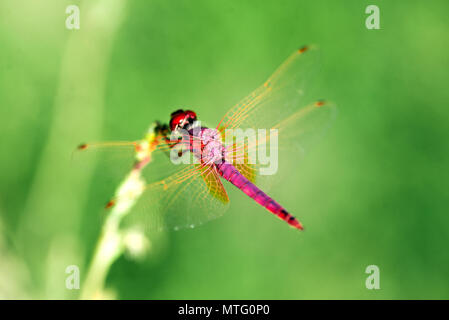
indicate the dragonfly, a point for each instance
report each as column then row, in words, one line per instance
column 182, row 194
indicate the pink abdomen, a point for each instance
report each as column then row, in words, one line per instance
column 230, row 173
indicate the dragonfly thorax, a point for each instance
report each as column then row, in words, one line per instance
column 212, row 149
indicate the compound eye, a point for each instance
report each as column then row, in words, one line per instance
column 191, row 114
column 176, row 120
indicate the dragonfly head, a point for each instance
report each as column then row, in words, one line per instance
column 180, row 119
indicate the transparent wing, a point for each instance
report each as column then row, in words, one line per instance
column 112, row 161
column 291, row 105
column 191, row 196
column 109, row 163
column 176, row 196
column 289, row 89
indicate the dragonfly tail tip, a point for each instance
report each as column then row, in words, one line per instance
column 297, row 225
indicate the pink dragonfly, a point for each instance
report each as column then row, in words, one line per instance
column 189, row 194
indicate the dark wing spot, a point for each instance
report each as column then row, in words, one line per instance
column 110, row 204
column 303, row 49
column 319, row 103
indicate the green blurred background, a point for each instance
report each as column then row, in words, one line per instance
column 373, row 191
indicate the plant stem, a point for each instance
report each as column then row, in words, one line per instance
column 109, row 248
column 112, row 241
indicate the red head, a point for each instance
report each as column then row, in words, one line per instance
column 180, row 119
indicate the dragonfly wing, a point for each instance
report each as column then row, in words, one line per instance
column 237, row 153
column 109, row 163
column 291, row 87
column 290, row 104
column 188, row 198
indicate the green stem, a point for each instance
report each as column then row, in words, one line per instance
column 109, row 248
column 112, row 241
